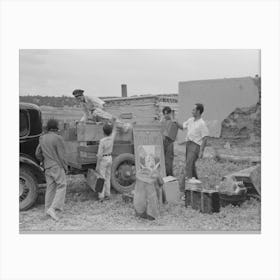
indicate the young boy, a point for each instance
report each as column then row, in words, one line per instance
column 104, row 158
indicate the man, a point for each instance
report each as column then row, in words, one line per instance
column 196, row 137
column 92, row 107
column 169, row 133
column 52, row 152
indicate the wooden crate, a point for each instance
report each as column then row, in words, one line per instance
column 205, row 201
column 94, row 132
column 210, row 201
column 87, row 131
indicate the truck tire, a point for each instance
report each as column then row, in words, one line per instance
column 28, row 188
column 123, row 173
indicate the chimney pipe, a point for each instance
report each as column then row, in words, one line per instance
column 124, row 90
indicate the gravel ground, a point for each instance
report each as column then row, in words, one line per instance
column 84, row 213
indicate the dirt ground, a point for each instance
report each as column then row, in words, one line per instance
column 83, row 213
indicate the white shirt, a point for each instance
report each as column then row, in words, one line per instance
column 196, row 130
column 90, row 104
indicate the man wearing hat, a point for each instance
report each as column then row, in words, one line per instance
column 92, row 107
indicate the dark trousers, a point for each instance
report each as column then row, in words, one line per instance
column 192, row 153
column 168, row 147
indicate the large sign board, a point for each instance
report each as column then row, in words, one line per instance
column 148, row 147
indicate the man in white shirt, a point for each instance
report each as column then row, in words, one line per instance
column 92, row 107
column 196, row 137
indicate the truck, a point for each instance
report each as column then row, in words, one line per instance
column 81, row 143
column 31, row 173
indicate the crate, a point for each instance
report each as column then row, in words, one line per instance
column 89, row 131
column 94, row 132
column 205, row 201
column 210, row 201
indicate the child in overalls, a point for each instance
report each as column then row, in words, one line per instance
column 104, row 158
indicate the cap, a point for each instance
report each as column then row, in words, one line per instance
column 78, row 92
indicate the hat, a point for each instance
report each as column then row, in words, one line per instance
column 78, row 92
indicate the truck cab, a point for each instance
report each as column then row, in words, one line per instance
column 31, row 173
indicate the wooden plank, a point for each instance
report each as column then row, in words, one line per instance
column 234, row 158
column 117, row 149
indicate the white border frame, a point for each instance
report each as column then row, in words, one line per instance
column 155, row 24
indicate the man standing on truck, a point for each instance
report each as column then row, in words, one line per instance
column 93, row 110
column 92, row 107
column 51, row 152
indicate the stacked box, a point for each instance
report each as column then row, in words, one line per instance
column 206, row 201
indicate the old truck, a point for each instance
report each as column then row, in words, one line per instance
column 81, row 141
column 31, row 173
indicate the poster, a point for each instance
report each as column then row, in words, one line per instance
column 148, row 147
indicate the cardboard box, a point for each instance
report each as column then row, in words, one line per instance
column 171, row 188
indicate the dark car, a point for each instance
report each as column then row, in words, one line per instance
column 31, row 173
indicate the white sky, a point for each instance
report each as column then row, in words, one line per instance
column 101, row 72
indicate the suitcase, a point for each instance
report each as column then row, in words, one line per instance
column 205, row 201
column 95, row 180
column 210, row 201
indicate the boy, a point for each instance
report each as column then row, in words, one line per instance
column 104, row 158
column 51, row 151
column 169, row 133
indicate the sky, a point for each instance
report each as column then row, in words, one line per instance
column 101, row 72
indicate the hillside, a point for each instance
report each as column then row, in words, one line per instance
column 53, row 101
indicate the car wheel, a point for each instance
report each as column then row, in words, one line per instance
column 28, row 188
column 123, row 173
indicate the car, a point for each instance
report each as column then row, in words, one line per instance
column 31, row 173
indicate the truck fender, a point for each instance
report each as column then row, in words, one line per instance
column 36, row 168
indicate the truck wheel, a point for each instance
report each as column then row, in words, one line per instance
column 28, row 188
column 123, row 173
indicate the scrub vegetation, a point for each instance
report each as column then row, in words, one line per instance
column 83, row 213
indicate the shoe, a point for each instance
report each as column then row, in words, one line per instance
column 107, row 198
column 51, row 213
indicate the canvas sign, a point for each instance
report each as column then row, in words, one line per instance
column 148, row 147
